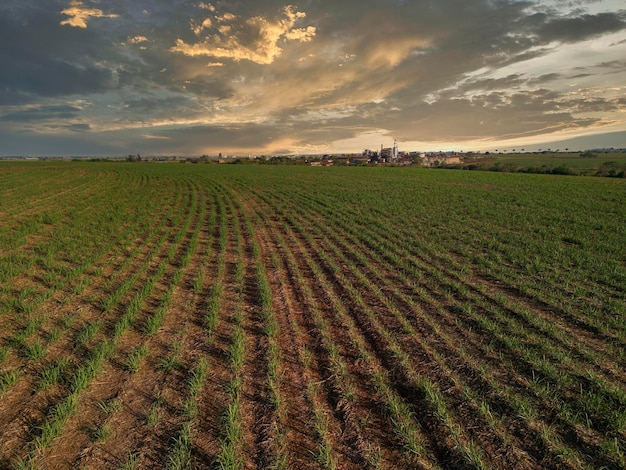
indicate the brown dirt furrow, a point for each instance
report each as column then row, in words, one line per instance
column 295, row 421
column 364, row 422
column 78, row 431
column 299, row 433
column 488, row 288
column 390, row 362
column 214, row 398
column 17, row 407
column 113, row 383
column 426, row 364
column 22, row 416
column 107, row 266
column 135, row 394
column 256, row 410
column 360, row 439
column 583, row 337
column 347, row 455
column 14, row 433
column 459, row 401
column 427, row 351
column 439, row 439
column 151, row 387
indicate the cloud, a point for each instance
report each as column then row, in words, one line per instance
column 79, row 14
column 255, row 39
column 78, row 127
column 136, row 39
column 50, row 76
column 41, row 113
column 12, row 98
column 149, row 107
column 483, row 118
column 581, row 27
column 187, row 71
column 614, row 64
column 548, row 77
column 155, row 137
column 198, row 28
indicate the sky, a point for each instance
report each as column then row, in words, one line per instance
column 261, row 77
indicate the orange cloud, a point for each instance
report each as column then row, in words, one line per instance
column 255, row 39
column 137, row 39
column 79, row 15
column 198, row 28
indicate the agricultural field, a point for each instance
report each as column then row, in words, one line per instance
column 612, row 164
column 572, row 160
column 238, row 317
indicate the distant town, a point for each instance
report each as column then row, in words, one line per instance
column 390, row 156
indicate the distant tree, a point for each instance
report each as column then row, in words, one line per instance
column 588, row 154
column 612, row 169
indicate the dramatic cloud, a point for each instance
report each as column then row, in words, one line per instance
column 255, row 39
column 79, row 14
column 195, row 77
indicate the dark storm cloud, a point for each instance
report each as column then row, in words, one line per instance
column 78, row 127
column 579, row 28
column 11, row 98
column 246, row 138
column 40, row 57
column 50, row 77
column 41, row 114
column 77, row 143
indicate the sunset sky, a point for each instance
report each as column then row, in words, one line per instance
column 174, row 77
